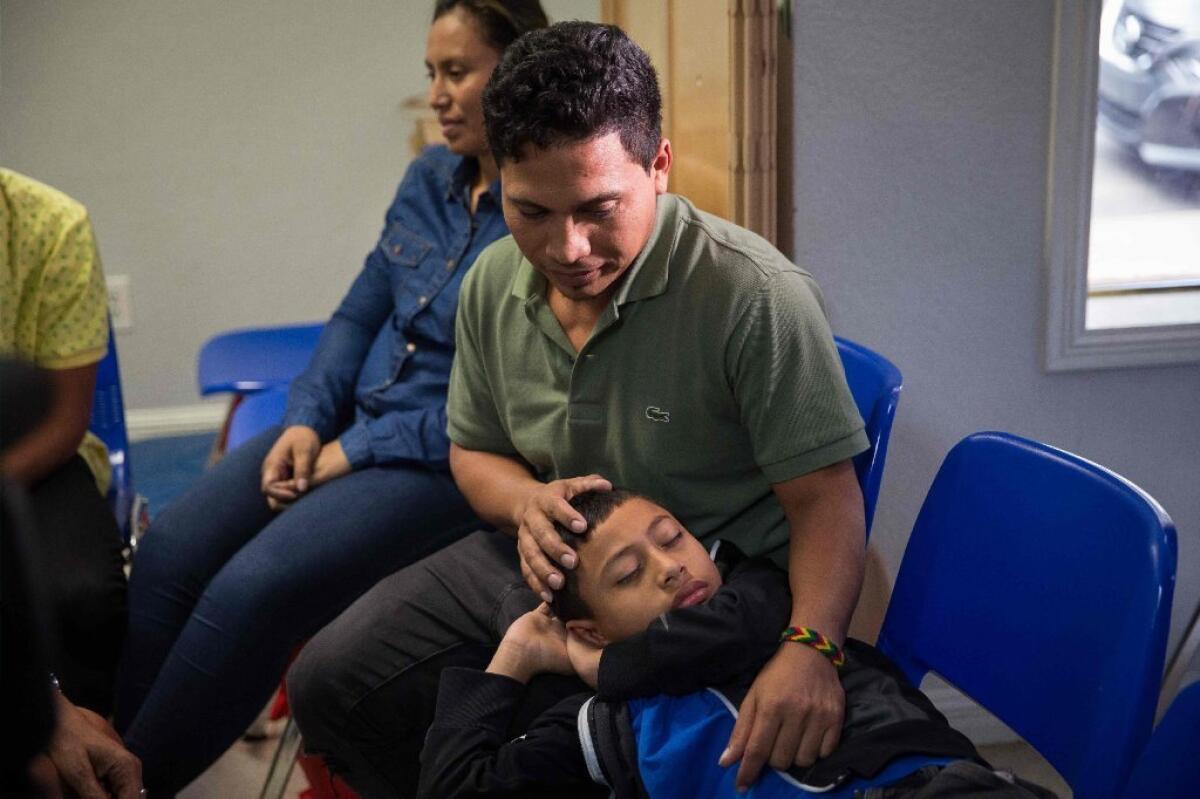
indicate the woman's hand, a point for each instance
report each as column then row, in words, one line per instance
column 297, row 463
column 539, row 546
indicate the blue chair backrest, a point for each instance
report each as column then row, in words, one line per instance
column 241, row 361
column 108, row 423
column 255, row 413
column 1170, row 763
column 875, row 383
column 1040, row 585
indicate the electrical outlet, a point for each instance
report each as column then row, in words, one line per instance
column 120, row 301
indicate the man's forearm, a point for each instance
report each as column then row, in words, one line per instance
column 494, row 485
column 827, row 548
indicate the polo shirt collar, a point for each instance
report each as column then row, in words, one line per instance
column 646, row 276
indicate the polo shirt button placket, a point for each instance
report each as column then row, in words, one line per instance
column 410, row 347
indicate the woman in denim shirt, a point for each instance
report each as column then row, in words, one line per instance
column 290, row 528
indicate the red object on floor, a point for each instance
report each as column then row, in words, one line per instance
column 279, row 708
column 321, row 783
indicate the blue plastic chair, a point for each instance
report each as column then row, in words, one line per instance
column 1169, row 766
column 244, row 361
column 875, row 383
column 255, row 413
column 1040, row 585
column 108, row 424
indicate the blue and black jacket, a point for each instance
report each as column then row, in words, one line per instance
column 665, row 706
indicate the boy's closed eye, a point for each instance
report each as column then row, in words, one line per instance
column 634, row 566
column 629, row 577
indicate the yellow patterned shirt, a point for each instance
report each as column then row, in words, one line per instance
column 53, row 301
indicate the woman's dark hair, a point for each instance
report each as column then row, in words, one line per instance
column 572, row 82
column 594, row 507
column 501, row 22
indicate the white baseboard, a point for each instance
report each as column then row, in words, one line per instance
column 177, row 420
column 969, row 718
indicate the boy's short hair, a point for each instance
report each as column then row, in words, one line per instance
column 595, row 507
column 572, row 82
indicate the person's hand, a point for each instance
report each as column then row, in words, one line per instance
column 585, row 659
column 289, row 464
column 331, row 463
column 792, row 714
column 537, row 543
column 89, row 758
column 536, row 643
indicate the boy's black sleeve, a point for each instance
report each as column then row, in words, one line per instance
column 468, row 752
column 714, row 643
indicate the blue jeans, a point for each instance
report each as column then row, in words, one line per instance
column 223, row 589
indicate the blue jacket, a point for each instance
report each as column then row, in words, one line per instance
column 378, row 378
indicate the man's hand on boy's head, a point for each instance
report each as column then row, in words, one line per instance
column 539, row 546
column 536, row 643
column 585, row 659
column 791, row 715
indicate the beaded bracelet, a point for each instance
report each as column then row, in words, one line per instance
column 810, row 637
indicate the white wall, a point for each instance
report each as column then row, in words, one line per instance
column 922, row 133
column 236, row 157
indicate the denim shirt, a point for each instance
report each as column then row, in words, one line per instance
column 378, row 378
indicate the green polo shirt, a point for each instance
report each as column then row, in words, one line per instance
column 711, row 375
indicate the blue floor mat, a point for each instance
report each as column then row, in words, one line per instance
column 163, row 468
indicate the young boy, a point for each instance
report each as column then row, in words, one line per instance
column 651, row 620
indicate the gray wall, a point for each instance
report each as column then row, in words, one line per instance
column 236, row 157
column 922, row 135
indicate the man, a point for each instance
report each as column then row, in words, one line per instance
column 618, row 331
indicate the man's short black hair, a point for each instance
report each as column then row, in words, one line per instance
column 572, row 82
column 594, row 507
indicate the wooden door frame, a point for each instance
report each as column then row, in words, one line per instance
column 759, row 114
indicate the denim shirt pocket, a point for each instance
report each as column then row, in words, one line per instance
column 404, row 248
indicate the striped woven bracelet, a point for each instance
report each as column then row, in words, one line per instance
column 810, row 637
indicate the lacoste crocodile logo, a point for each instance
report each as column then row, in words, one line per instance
column 656, row 414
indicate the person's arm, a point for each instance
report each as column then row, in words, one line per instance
column 57, row 437
column 791, row 391
column 500, row 485
column 503, row 492
column 793, row 712
column 322, row 396
column 468, row 751
column 705, row 645
column 413, row 435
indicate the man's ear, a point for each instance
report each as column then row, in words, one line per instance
column 661, row 165
column 587, row 630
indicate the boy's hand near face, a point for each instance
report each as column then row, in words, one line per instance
column 585, row 659
column 536, row 643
